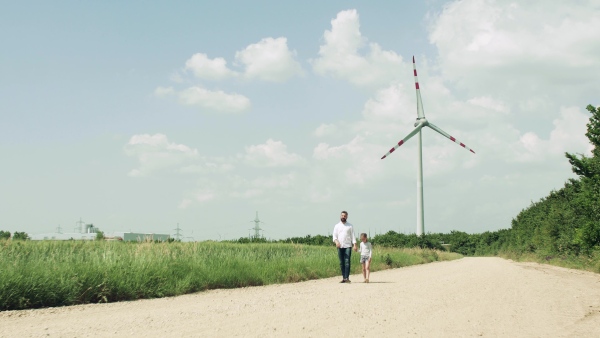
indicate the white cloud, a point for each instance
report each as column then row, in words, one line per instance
column 519, row 45
column 568, row 135
column 489, row 103
column 269, row 60
column 271, row 154
column 204, row 196
column 176, row 77
column 340, row 56
column 391, row 104
column 186, row 202
column 210, row 69
column 156, row 152
column 325, row 130
column 214, row 100
column 209, row 166
column 358, row 160
column 206, row 99
column 324, row 151
column 199, row 197
column 164, row 91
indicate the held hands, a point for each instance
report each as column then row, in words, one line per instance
column 355, row 248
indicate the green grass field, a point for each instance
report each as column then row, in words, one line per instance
column 581, row 262
column 59, row 273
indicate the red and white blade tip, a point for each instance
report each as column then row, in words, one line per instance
column 461, row 144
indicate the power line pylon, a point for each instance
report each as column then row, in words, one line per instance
column 257, row 228
column 79, row 227
column 178, row 233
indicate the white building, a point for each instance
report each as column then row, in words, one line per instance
column 89, row 233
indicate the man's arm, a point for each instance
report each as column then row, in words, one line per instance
column 335, row 237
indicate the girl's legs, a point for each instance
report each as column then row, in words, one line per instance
column 364, row 271
column 367, row 267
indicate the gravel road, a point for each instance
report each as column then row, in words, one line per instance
column 469, row 297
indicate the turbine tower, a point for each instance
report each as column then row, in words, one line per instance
column 422, row 122
column 257, row 228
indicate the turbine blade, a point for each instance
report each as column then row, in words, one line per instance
column 420, row 112
column 436, row 128
column 412, row 133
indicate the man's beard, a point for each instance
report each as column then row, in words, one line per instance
column 343, row 220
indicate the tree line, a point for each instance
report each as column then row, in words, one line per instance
column 21, row 236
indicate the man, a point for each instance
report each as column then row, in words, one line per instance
column 345, row 241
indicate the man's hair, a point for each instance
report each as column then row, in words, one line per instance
column 344, row 212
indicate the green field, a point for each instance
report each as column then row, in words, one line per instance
column 59, row 273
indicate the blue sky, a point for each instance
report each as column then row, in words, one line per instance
column 141, row 116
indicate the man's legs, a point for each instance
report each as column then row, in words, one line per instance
column 347, row 254
column 344, row 255
column 341, row 258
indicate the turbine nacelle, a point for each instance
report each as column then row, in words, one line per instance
column 421, row 121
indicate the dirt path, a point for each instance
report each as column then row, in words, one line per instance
column 488, row 297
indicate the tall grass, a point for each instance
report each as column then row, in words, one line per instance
column 58, row 273
column 589, row 263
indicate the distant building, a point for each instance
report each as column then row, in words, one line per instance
column 89, row 233
column 63, row 236
column 138, row 237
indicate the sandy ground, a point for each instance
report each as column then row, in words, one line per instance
column 470, row 297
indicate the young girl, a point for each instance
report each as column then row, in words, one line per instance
column 365, row 256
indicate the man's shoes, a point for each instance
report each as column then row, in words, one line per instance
column 343, row 281
column 348, row 281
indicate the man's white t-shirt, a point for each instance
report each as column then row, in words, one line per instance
column 344, row 233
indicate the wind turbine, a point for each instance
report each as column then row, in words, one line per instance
column 422, row 122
